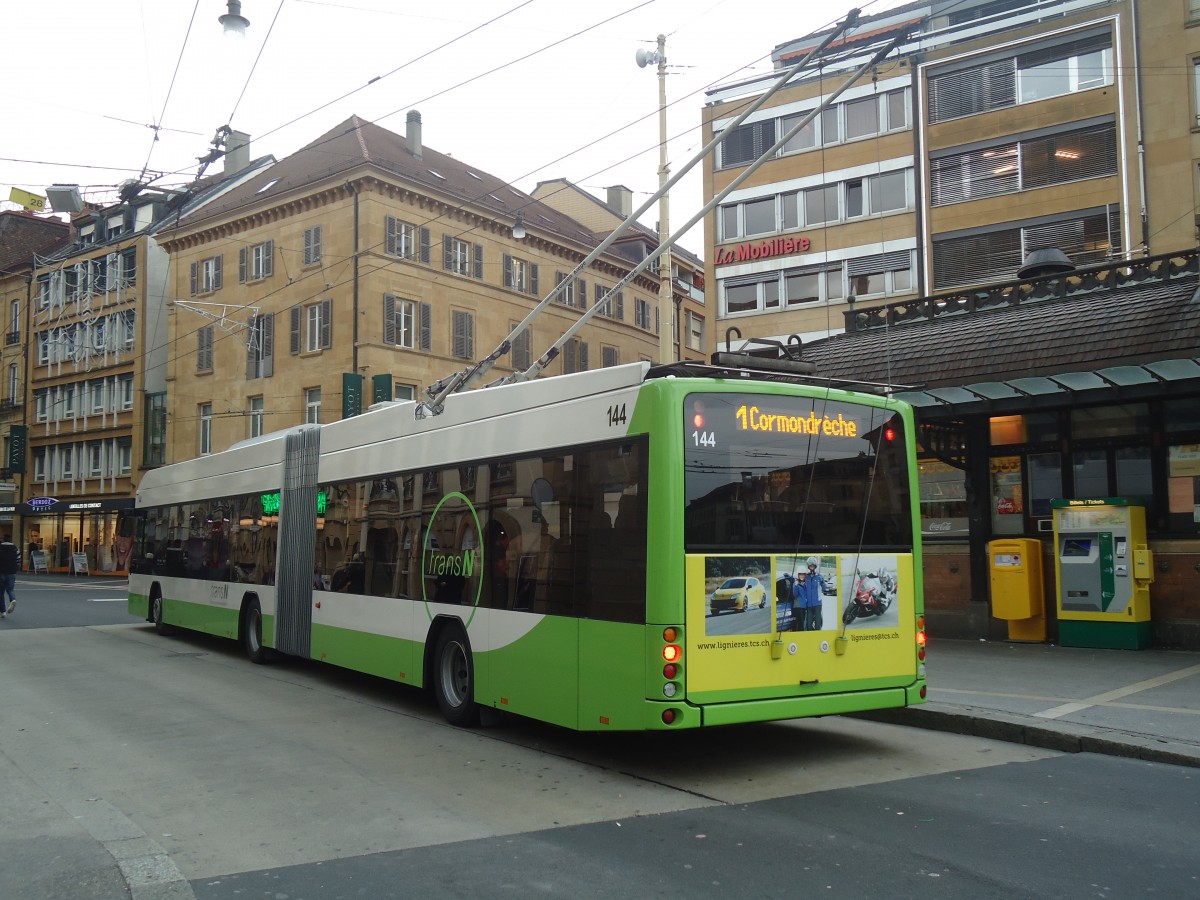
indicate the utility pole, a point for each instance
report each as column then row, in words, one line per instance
column 666, row 306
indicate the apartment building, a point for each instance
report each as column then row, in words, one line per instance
column 23, row 237
column 363, row 268
column 95, row 370
column 996, row 128
column 690, row 331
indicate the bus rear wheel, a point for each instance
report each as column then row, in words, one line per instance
column 252, row 633
column 454, row 679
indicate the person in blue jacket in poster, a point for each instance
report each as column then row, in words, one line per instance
column 808, row 598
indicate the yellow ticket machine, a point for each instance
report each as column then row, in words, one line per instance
column 1102, row 571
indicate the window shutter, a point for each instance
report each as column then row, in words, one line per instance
column 479, row 261
column 447, row 253
column 204, row 338
column 508, row 267
column 242, row 265
column 425, row 246
column 581, row 293
column 297, row 312
column 533, row 281
column 569, row 362
column 268, row 260
column 620, row 306
column 426, row 327
column 326, row 324
column 389, row 320
column 583, row 356
column 217, row 267
column 251, row 357
column 195, row 281
column 390, row 245
column 881, row 262
column 268, row 345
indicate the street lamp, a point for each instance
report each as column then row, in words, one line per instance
column 233, row 22
column 665, row 292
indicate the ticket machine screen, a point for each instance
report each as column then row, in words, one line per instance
column 1077, row 547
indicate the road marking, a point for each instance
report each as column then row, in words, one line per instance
column 105, row 599
column 1068, row 708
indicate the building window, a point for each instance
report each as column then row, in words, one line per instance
column 1053, row 71
column 125, row 391
column 312, row 327
column 463, row 324
column 1024, row 164
column 884, row 273
column 205, row 416
column 979, row 257
column 257, row 411
column 575, row 356
column 94, row 459
column 206, row 275
column 155, row 450
column 258, row 262
column 124, row 456
column 404, row 392
column 747, row 142
column 96, row 389
column 14, row 384
column 641, row 313
column 312, row 406
column 609, row 356
column 204, row 348
column 312, row 245
column 462, row 257
column 520, row 275
column 406, row 323
column 14, row 323
column 695, row 331
column 522, row 348
column 574, row 293
column 260, row 346
column 406, row 240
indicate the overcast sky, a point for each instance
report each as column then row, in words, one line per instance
column 92, row 76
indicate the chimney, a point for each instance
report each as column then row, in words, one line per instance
column 620, row 198
column 237, row 152
column 413, row 134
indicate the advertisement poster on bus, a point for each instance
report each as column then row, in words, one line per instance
column 776, row 619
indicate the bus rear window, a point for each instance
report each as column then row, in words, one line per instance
column 775, row 472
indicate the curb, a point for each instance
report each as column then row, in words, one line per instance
column 1065, row 737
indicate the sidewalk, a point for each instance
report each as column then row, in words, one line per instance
column 1135, row 703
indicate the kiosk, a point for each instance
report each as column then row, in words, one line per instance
column 1102, row 572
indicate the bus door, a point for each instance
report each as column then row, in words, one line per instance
column 296, row 550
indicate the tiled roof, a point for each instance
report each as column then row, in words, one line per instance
column 23, row 234
column 1131, row 323
column 356, row 143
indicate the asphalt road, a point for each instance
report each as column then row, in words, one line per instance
column 175, row 767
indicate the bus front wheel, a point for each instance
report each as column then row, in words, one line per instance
column 156, row 614
column 252, row 633
column 454, row 679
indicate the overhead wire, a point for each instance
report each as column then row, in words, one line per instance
column 170, row 89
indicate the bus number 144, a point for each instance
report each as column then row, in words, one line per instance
column 616, row 415
column 704, row 438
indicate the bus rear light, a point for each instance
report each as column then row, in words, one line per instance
column 920, row 623
column 921, row 654
column 670, row 635
column 670, row 670
column 669, row 716
column 672, row 653
column 670, row 689
column 922, row 692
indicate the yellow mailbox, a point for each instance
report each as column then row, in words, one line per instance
column 1015, row 566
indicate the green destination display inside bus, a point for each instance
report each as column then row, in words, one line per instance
column 270, row 503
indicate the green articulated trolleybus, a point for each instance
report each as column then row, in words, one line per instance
column 609, row 550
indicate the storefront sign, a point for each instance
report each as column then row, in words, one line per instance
column 752, row 250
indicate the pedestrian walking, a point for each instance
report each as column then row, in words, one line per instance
column 10, row 565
